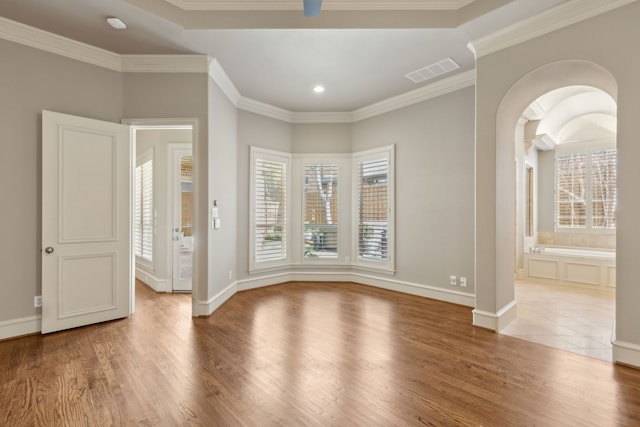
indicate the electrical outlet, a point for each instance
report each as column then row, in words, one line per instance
column 37, row 301
column 463, row 282
column 230, row 274
column 453, row 280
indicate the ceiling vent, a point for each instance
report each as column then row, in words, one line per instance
column 433, row 70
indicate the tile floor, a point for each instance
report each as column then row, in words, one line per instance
column 571, row 318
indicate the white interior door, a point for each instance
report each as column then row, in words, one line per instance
column 86, row 216
column 181, row 173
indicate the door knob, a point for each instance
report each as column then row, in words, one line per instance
column 48, row 250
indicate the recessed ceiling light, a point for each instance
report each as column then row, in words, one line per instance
column 117, row 23
column 318, row 89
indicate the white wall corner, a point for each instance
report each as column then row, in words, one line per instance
column 206, row 308
column 217, row 73
column 18, row 327
column 558, row 17
column 496, row 321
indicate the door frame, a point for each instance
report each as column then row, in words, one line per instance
column 171, row 147
column 174, row 123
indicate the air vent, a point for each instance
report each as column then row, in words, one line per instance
column 433, row 70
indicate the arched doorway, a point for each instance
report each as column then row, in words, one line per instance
column 566, row 157
column 495, row 208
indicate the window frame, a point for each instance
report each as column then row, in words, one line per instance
column 376, row 154
column 257, row 154
column 586, row 148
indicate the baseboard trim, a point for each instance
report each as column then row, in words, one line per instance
column 158, row 285
column 364, row 279
column 17, row 327
column 206, row 308
column 626, row 353
column 496, row 321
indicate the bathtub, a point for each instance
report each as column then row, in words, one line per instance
column 577, row 266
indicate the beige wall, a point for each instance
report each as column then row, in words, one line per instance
column 32, row 81
column 604, row 44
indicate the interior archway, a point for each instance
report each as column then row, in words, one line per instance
column 531, row 86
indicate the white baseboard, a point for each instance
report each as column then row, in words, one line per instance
column 626, row 353
column 158, row 285
column 496, row 321
column 17, row 327
column 206, row 308
column 364, row 279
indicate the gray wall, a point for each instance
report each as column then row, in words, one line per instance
column 32, row 81
column 434, row 159
column 260, row 131
column 434, row 186
column 321, row 138
column 223, row 125
column 604, row 44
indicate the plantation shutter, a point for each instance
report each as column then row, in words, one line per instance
column 373, row 209
column 571, row 193
column 320, row 211
column 603, row 188
column 270, row 210
column 143, row 216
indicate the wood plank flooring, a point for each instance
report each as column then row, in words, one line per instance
column 305, row 354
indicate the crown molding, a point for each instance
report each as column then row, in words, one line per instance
column 433, row 90
column 543, row 23
column 263, row 109
column 49, row 42
column 216, row 72
column 325, row 117
column 164, row 63
column 339, row 5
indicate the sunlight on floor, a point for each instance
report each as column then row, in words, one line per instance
column 575, row 319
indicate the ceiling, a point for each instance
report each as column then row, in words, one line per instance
column 574, row 113
column 359, row 50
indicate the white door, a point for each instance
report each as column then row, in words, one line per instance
column 86, row 216
column 181, row 173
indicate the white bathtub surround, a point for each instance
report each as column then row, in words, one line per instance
column 572, row 266
column 605, row 241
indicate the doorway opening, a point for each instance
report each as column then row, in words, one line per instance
column 565, row 245
column 165, row 211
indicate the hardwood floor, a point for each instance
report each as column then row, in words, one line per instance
column 297, row 354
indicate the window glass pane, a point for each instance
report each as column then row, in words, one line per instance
column 603, row 193
column 571, row 205
column 373, row 209
column 270, row 214
column 320, row 211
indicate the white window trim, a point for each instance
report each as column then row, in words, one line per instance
column 386, row 152
column 575, row 148
column 278, row 156
column 148, row 155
